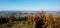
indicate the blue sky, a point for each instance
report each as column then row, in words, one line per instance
column 29, row 5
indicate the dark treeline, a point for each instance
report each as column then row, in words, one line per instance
column 5, row 20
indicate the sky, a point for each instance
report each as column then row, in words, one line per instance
column 29, row 5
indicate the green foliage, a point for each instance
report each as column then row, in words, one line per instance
column 21, row 19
